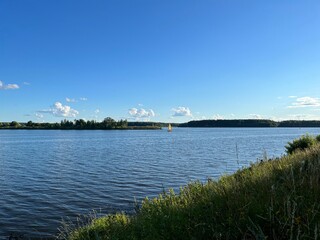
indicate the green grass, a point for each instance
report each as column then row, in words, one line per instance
column 275, row 199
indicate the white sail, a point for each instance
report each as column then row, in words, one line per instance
column 169, row 128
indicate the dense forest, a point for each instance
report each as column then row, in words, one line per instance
column 111, row 124
column 230, row 123
column 250, row 123
column 299, row 124
column 78, row 124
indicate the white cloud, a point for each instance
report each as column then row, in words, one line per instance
column 305, row 102
column 255, row 116
column 26, row 83
column 96, row 114
column 304, row 117
column 83, row 99
column 217, row 117
column 8, row 86
column 141, row 114
column 198, row 118
column 59, row 110
column 39, row 115
column 292, row 96
column 70, row 100
column 181, row 112
column 276, row 119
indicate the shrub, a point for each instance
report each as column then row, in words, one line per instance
column 301, row 143
column 14, row 124
column 318, row 138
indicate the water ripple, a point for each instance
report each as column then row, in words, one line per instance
column 46, row 176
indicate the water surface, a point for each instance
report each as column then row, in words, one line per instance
column 48, row 175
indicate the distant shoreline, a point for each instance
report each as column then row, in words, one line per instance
column 251, row 123
column 110, row 124
column 74, row 129
column 141, row 128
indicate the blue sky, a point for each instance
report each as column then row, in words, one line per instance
column 170, row 61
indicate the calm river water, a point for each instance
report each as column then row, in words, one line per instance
column 47, row 176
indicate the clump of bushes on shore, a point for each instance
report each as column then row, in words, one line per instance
column 302, row 143
column 277, row 199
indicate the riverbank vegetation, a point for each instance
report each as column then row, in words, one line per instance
column 271, row 199
column 79, row 124
column 304, row 142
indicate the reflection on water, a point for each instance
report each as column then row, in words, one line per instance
column 49, row 175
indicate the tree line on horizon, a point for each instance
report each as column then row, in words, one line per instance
column 264, row 123
column 109, row 124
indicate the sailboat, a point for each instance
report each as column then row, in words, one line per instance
column 169, row 128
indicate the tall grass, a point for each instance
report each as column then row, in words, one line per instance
column 274, row 199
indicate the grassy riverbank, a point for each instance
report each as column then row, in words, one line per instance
column 275, row 199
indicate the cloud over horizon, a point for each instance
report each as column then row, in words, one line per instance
column 39, row 115
column 304, row 117
column 181, row 112
column 141, row 114
column 59, row 110
column 218, row 117
column 4, row 86
column 305, row 102
column 255, row 116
